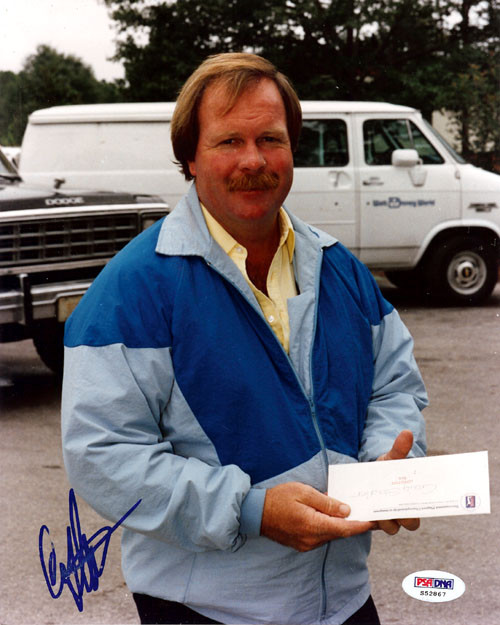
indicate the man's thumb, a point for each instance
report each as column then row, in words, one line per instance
column 401, row 446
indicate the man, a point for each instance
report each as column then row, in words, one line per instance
column 219, row 364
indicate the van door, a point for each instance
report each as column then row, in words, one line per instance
column 400, row 205
column 323, row 189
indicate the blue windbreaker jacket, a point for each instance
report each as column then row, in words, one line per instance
column 177, row 392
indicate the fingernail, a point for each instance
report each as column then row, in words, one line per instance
column 344, row 509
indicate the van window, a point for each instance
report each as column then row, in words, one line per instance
column 382, row 136
column 323, row 143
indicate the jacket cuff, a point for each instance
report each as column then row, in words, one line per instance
column 251, row 512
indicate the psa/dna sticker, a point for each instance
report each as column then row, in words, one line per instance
column 433, row 586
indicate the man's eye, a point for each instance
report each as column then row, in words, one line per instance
column 228, row 142
column 275, row 140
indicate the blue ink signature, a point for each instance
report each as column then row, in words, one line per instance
column 81, row 554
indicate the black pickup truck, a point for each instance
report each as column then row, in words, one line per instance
column 53, row 243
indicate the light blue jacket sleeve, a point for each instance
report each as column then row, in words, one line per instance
column 121, row 410
column 398, row 392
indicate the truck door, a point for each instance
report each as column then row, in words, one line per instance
column 400, row 205
column 323, row 190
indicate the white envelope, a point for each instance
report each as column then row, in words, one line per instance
column 415, row 487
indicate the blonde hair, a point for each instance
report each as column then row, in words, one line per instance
column 236, row 71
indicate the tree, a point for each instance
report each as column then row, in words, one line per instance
column 424, row 53
column 473, row 66
column 48, row 78
column 10, row 107
column 330, row 49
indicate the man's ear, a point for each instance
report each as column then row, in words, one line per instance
column 192, row 168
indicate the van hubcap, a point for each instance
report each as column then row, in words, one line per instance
column 466, row 272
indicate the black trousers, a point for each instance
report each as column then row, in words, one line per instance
column 153, row 611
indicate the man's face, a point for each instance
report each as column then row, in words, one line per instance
column 243, row 163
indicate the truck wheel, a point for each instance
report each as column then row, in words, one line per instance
column 48, row 339
column 463, row 271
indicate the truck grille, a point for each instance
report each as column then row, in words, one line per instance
column 56, row 240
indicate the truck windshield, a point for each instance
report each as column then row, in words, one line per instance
column 455, row 155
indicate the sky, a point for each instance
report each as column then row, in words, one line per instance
column 78, row 27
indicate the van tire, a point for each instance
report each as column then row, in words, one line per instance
column 463, row 271
column 48, row 337
column 406, row 279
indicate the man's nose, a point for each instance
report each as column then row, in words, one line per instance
column 252, row 158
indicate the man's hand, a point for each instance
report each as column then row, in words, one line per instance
column 400, row 449
column 301, row 517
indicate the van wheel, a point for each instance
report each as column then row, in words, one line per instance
column 463, row 271
column 409, row 279
column 48, row 337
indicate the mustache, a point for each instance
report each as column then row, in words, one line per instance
column 255, row 182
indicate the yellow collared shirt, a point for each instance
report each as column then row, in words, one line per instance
column 280, row 279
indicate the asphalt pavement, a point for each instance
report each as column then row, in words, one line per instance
column 458, row 351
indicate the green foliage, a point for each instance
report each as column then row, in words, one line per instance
column 472, row 75
column 10, row 107
column 47, row 79
column 430, row 54
column 425, row 53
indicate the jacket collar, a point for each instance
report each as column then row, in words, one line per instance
column 184, row 233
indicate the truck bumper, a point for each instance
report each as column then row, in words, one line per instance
column 33, row 303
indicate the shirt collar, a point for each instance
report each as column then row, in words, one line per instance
column 228, row 243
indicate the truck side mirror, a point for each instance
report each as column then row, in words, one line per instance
column 405, row 158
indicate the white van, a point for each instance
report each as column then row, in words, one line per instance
column 374, row 175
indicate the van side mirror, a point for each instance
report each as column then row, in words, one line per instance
column 405, row 158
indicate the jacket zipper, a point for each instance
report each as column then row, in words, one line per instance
column 318, row 433
column 310, row 400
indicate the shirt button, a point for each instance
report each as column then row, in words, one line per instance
column 239, row 249
column 270, row 318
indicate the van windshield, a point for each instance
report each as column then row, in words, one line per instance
column 454, row 154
